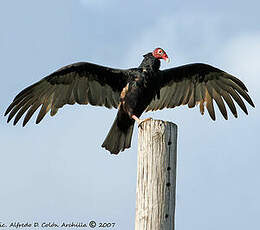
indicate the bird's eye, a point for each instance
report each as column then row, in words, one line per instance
column 160, row 51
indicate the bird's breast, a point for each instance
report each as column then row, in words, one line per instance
column 136, row 95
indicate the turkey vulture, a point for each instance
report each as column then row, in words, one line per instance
column 132, row 92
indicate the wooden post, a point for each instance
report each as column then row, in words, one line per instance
column 156, row 176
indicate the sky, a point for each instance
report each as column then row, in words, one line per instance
column 57, row 171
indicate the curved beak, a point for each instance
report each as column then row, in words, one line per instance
column 167, row 60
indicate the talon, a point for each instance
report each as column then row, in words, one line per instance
column 139, row 121
column 140, row 125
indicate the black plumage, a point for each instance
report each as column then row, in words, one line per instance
column 132, row 92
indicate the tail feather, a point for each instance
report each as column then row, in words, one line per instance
column 117, row 139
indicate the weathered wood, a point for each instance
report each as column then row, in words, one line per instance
column 156, row 176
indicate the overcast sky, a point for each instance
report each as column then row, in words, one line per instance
column 57, row 170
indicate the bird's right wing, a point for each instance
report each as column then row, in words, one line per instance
column 80, row 83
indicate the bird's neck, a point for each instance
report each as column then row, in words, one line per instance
column 150, row 62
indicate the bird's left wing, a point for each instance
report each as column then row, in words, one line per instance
column 199, row 84
column 80, row 83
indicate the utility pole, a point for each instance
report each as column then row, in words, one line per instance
column 156, row 176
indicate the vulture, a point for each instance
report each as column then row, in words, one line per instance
column 132, row 92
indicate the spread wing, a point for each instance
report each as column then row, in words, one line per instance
column 80, row 83
column 200, row 84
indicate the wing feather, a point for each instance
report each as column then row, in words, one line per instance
column 200, row 95
column 46, row 105
column 167, row 100
column 202, row 110
column 178, row 95
column 213, row 93
column 209, row 105
column 23, row 110
column 169, row 94
column 31, row 111
column 75, row 90
column 192, row 102
column 164, row 97
column 15, row 110
column 187, row 93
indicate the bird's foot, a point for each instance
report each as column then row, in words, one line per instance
column 139, row 121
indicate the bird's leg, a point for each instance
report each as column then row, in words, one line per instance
column 139, row 121
column 136, row 119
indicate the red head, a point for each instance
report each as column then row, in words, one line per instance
column 160, row 54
